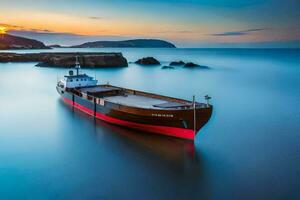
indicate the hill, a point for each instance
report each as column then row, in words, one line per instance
column 138, row 43
column 13, row 42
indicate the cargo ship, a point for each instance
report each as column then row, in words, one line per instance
column 134, row 109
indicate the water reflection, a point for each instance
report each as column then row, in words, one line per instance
column 168, row 148
column 165, row 162
column 171, row 149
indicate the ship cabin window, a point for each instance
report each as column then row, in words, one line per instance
column 85, row 79
column 77, row 79
column 71, row 80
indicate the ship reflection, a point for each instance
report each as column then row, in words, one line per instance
column 168, row 148
column 162, row 157
column 172, row 157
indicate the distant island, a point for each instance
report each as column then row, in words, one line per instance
column 14, row 42
column 138, row 43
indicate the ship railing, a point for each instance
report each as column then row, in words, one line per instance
column 103, row 102
column 97, row 100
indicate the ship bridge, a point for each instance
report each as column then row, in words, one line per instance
column 78, row 80
column 81, row 80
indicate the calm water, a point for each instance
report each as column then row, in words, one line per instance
column 248, row 150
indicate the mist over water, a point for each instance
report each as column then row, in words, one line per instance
column 248, row 150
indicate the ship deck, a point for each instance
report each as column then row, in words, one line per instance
column 136, row 101
column 126, row 97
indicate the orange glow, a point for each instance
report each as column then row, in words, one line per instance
column 3, row 30
column 82, row 25
column 184, row 32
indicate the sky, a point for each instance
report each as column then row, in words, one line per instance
column 186, row 23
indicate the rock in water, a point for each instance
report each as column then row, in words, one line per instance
column 176, row 63
column 190, row 64
column 148, row 61
column 168, row 67
column 193, row 65
column 87, row 60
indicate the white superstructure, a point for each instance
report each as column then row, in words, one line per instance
column 78, row 80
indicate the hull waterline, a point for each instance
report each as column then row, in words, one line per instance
column 164, row 130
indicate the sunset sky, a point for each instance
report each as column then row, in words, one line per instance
column 186, row 23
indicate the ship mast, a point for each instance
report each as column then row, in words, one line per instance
column 194, row 109
column 77, row 66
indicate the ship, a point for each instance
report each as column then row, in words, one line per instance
column 134, row 109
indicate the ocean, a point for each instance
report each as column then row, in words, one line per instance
column 248, row 150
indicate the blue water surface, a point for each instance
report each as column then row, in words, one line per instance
column 248, row 150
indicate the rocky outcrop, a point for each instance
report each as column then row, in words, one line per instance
column 148, row 61
column 137, row 43
column 13, row 42
column 87, row 60
column 193, row 65
column 55, row 46
column 176, row 63
column 190, row 64
column 168, row 67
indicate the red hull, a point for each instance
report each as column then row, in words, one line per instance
column 164, row 130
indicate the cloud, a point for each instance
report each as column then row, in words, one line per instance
column 262, row 44
column 52, row 37
column 9, row 26
column 175, row 31
column 96, row 18
column 239, row 33
column 39, row 30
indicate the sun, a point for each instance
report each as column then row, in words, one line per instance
column 3, row 30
